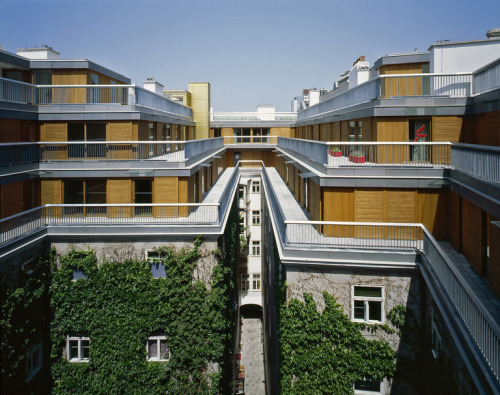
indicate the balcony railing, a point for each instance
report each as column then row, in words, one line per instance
column 487, row 78
column 478, row 160
column 328, row 234
column 17, row 92
column 335, row 154
column 19, row 153
column 394, row 86
column 45, row 95
column 483, row 328
column 23, row 153
column 250, row 139
column 24, row 223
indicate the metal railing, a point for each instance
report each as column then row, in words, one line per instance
column 364, row 235
column 362, row 93
column 18, row 153
column 337, row 153
column 107, row 214
column 487, row 78
column 17, row 92
column 83, row 94
column 395, row 86
column 150, row 99
column 425, row 84
column 112, row 150
column 20, row 92
column 478, row 160
column 250, row 139
column 194, row 148
column 483, row 328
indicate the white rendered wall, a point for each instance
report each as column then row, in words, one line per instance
column 266, row 113
column 463, row 58
column 153, row 86
column 38, row 53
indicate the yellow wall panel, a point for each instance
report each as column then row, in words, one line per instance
column 51, row 192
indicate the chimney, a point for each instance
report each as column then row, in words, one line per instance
column 152, row 85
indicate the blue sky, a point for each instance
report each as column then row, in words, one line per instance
column 251, row 51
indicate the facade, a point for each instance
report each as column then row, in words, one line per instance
column 383, row 192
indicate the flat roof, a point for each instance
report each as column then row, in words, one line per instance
column 402, row 58
column 444, row 44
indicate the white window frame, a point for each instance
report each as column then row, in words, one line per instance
column 33, row 365
column 80, row 340
column 245, row 282
column 158, row 358
column 256, row 283
column 366, row 300
column 255, row 186
column 256, row 217
column 256, row 248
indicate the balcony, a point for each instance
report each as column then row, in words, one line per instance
column 404, row 86
column 172, row 151
column 128, row 219
column 89, row 95
column 478, row 161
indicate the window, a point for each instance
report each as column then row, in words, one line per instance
column 242, row 222
column 157, row 268
column 368, row 386
column 157, row 349
column 256, row 248
column 368, row 304
column 143, row 195
column 33, row 361
column 241, row 191
column 78, row 192
column 256, row 186
column 245, row 282
column 250, row 282
column 78, row 348
column 256, row 282
column 255, row 217
column 435, row 338
column 78, row 274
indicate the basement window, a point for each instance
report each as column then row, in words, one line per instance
column 368, row 386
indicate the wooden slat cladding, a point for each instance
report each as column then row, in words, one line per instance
column 388, row 205
column 54, row 131
column 119, row 191
column 51, row 193
column 166, row 190
column 9, row 131
column 69, row 77
column 11, row 199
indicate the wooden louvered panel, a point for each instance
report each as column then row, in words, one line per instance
column 119, row 191
column 9, row 131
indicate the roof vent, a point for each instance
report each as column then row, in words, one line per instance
column 492, row 33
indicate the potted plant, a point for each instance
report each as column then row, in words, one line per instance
column 357, row 157
column 333, row 151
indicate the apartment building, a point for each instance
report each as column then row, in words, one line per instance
column 383, row 192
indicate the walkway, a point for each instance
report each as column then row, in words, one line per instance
column 252, row 356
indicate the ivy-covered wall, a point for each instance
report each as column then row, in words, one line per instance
column 118, row 305
column 324, row 352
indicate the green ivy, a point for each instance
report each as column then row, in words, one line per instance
column 24, row 323
column 325, row 353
